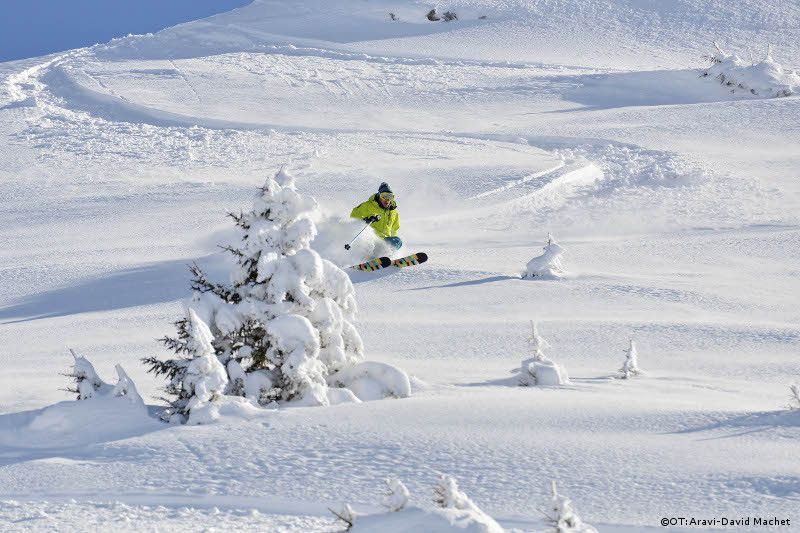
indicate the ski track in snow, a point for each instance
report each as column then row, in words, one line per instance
column 121, row 159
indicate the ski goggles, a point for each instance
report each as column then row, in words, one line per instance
column 387, row 196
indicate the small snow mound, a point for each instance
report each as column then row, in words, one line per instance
column 226, row 408
column 371, row 380
column 766, row 78
column 547, row 265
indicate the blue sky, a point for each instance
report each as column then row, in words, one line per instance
column 31, row 28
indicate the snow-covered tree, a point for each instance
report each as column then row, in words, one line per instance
column 630, row 367
column 196, row 376
column 283, row 323
column 447, row 495
column 562, row 517
column 87, row 382
column 125, row 388
column 547, row 265
column 540, row 370
column 89, row 385
column 397, row 497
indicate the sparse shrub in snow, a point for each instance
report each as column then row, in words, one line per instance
column 630, row 367
column 548, row 265
column 447, row 495
column 562, row 517
column 539, row 370
column 456, row 513
column 765, row 78
column 393, row 16
column 794, row 397
column 125, row 388
column 346, row 515
column 88, row 384
column 397, row 497
column 283, row 324
column 447, row 16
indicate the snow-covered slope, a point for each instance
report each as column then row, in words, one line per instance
column 676, row 203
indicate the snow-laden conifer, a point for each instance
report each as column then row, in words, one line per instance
column 397, row 496
column 283, row 323
column 547, row 265
column 540, row 370
column 196, row 376
column 562, row 517
column 630, row 367
column 87, row 382
column 126, row 388
column 448, row 496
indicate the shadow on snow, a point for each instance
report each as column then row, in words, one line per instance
column 145, row 285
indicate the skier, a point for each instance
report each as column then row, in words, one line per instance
column 380, row 211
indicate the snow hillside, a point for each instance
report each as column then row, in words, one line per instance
column 674, row 204
column 30, row 29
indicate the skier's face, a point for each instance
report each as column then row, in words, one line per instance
column 385, row 198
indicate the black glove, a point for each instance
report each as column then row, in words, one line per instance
column 371, row 219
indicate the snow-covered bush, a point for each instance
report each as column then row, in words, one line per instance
column 764, row 78
column 373, row 381
column 346, row 515
column 630, row 367
column 447, row 16
column 562, row 517
column 283, row 324
column 548, row 265
column 196, row 378
column 456, row 513
column 539, row 370
column 88, row 384
column 448, row 496
column 794, row 397
column 397, row 497
column 432, row 16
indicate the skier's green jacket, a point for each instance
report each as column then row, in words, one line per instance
column 389, row 223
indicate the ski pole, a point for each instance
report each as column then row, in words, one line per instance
column 347, row 246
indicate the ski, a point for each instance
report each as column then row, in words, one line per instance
column 373, row 265
column 413, row 259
